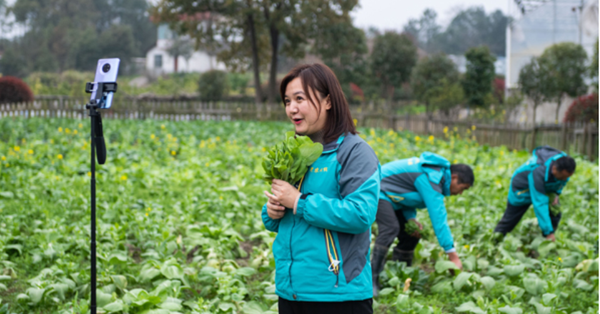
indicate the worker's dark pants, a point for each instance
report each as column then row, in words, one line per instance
column 347, row 307
column 513, row 215
column 391, row 225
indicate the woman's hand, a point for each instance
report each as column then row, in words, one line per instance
column 285, row 194
column 274, row 210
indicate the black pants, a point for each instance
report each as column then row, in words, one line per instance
column 348, row 307
column 391, row 225
column 513, row 215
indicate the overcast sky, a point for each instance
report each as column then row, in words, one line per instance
column 394, row 14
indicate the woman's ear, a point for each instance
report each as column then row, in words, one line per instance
column 327, row 101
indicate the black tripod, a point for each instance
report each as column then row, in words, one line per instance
column 99, row 151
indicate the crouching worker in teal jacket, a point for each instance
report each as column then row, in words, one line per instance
column 545, row 174
column 409, row 184
column 323, row 227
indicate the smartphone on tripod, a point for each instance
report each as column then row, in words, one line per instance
column 106, row 72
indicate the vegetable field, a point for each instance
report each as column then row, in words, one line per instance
column 179, row 227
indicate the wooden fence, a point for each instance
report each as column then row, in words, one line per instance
column 573, row 138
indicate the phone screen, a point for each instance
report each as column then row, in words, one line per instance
column 106, row 71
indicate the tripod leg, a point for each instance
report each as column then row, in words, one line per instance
column 94, row 118
column 99, row 138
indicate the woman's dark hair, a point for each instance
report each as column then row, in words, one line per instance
column 464, row 173
column 321, row 79
column 566, row 163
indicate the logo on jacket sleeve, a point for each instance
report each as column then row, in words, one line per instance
column 396, row 199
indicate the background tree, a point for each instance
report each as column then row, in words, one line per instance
column 73, row 34
column 566, row 64
column 430, row 73
column 446, row 96
column 213, row 85
column 594, row 68
column 470, row 27
column 425, row 30
column 180, row 47
column 392, row 60
column 234, row 30
column 534, row 83
column 288, row 24
column 477, row 82
column 343, row 48
column 583, row 109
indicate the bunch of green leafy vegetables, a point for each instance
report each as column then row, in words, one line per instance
column 554, row 209
column 290, row 159
column 411, row 226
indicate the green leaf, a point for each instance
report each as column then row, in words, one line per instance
column 7, row 194
column 488, row 282
column 23, row 298
column 510, row 310
column 444, row 286
column 245, row 271
column 548, row 297
column 581, row 284
column 3, row 287
column 540, row 309
column 442, row 266
column 461, row 280
column 16, row 247
column 148, row 274
column 157, row 311
column 114, row 307
column 4, row 277
column 36, row 294
column 172, row 271
column 546, row 247
column 225, row 306
column 386, row 291
column 534, row 285
column 469, row 307
column 514, row 270
column 495, row 271
column 253, row 307
column 117, row 258
column 572, row 260
column 119, row 281
column 515, row 292
column 171, row 306
column 61, row 288
column 402, row 300
column 102, row 298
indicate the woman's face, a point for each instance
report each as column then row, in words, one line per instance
column 304, row 115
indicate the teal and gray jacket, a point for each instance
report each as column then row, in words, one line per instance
column 322, row 252
column 421, row 182
column 531, row 183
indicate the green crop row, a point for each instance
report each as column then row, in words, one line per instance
column 179, row 227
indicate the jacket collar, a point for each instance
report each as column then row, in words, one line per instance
column 333, row 145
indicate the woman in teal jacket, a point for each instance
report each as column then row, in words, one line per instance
column 322, row 246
